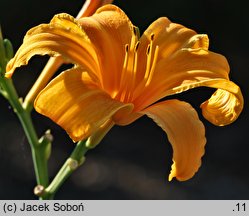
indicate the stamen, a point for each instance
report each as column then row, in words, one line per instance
column 124, row 70
column 153, row 66
column 152, row 56
column 148, row 63
column 134, row 38
column 135, row 60
column 149, row 57
column 134, row 71
column 125, row 64
column 135, row 66
column 128, row 77
column 126, row 86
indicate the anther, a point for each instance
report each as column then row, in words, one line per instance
column 148, row 50
column 126, row 47
column 152, row 36
column 136, row 46
column 134, row 30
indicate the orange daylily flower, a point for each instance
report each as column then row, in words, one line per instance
column 119, row 76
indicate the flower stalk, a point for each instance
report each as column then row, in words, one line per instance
column 38, row 149
column 75, row 160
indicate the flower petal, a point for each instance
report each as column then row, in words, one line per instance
column 63, row 36
column 110, row 30
column 185, row 132
column 75, row 103
column 189, row 68
column 164, row 40
column 168, row 36
column 184, row 62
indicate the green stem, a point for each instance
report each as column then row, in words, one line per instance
column 76, row 159
column 39, row 160
column 39, row 149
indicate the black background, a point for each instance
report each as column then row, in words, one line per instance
column 133, row 162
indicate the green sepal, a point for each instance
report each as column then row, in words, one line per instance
column 9, row 52
column 45, row 143
column 6, row 51
column 2, row 52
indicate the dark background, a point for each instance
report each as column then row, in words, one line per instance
column 133, row 162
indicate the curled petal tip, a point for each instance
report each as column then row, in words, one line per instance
column 172, row 172
column 198, row 41
column 8, row 75
column 9, row 70
column 225, row 106
column 90, row 6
